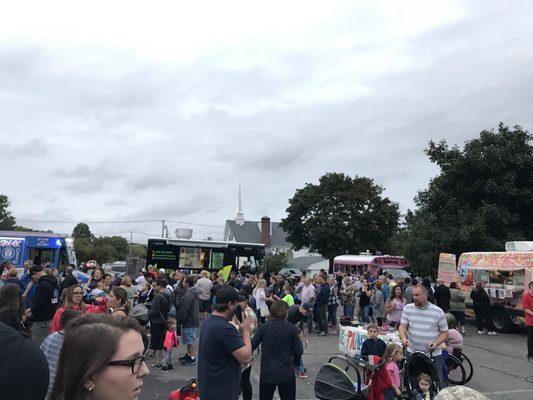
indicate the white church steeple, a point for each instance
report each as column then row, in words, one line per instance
column 239, row 216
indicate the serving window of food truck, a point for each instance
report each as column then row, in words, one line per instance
column 506, row 274
column 367, row 264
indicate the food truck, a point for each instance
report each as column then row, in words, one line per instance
column 507, row 274
column 40, row 247
column 372, row 265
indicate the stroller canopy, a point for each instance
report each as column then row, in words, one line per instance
column 416, row 364
column 333, row 383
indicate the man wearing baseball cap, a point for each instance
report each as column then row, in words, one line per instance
column 222, row 349
column 44, row 302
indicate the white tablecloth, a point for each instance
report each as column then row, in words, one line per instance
column 351, row 339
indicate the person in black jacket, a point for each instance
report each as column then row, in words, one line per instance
column 188, row 319
column 281, row 350
column 25, row 375
column 442, row 296
column 481, row 305
column 44, row 303
column 158, row 318
column 321, row 302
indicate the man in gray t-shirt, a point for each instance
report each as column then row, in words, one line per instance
column 205, row 285
column 423, row 327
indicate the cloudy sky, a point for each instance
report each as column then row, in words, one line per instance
column 124, row 110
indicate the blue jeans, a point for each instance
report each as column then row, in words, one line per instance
column 309, row 318
column 322, row 318
column 365, row 312
column 348, row 310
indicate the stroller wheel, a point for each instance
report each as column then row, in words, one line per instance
column 456, row 371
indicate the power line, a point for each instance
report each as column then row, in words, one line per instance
column 40, row 221
column 193, row 223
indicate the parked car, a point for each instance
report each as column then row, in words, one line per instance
column 290, row 271
column 118, row 268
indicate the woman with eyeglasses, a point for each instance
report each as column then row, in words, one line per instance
column 73, row 300
column 102, row 358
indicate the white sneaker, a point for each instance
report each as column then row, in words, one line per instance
column 480, row 332
column 492, row 333
column 463, row 331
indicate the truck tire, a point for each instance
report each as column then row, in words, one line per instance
column 501, row 320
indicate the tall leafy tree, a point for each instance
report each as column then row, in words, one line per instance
column 82, row 231
column 482, row 197
column 7, row 221
column 341, row 215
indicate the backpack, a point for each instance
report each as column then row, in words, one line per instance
column 177, row 296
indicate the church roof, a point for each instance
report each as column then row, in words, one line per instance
column 250, row 232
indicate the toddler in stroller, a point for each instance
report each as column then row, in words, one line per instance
column 420, row 377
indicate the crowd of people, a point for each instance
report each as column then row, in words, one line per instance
column 95, row 337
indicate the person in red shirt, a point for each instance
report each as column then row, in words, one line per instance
column 527, row 305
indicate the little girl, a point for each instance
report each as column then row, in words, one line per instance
column 424, row 385
column 394, row 355
column 386, row 384
column 171, row 341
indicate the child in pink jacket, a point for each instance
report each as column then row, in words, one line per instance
column 171, row 341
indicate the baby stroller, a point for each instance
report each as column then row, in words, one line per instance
column 140, row 313
column 333, row 382
column 417, row 363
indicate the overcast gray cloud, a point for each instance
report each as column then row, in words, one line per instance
column 160, row 112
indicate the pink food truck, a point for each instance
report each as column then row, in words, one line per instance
column 373, row 265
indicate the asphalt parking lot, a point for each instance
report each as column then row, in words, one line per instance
column 501, row 370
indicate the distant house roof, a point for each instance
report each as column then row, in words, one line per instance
column 250, row 232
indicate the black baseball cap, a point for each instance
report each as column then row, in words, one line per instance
column 226, row 295
column 35, row 269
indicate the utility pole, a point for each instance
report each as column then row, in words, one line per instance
column 131, row 241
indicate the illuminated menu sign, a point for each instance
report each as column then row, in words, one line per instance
column 163, row 255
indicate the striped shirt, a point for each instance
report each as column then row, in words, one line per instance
column 424, row 326
column 51, row 348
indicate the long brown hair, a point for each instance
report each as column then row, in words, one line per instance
column 68, row 302
column 122, row 296
column 11, row 300
column 393, row 296
column 90, row 342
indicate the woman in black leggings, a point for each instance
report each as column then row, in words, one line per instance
column 281, row 350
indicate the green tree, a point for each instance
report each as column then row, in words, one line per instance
column 7, row 221
column 82, row 231
column 277, row 260
column 104, row 251
column 83, row 242
column 482, row 197
column 139, row 250
column 341, row 215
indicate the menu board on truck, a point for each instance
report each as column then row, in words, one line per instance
column 447, row 267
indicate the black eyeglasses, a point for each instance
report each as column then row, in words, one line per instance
column 135, row 363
